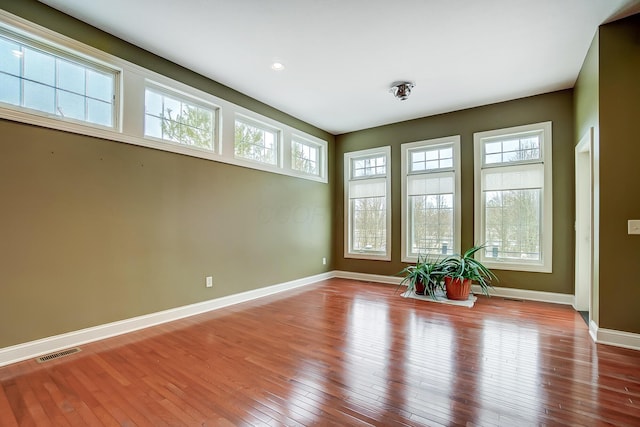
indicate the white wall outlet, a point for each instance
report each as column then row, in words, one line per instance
column 634, row 226
column 324, row 261
column 209, row 282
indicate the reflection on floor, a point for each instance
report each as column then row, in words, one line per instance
column 343, row 353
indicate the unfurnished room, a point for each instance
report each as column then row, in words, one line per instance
column 301, row 213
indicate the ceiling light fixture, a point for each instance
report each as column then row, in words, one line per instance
column 402, row 90
column 277, row 66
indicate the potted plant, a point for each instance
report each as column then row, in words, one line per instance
column 423, row 278
column 461, row 270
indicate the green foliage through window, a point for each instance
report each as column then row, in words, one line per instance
column 174, row 119
column 255, row 143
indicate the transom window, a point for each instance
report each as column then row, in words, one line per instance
column 367, row 204
column 255, row 141
column 513, row 170
column 515, row 148
column 305, row 156
column 430, row 198
column 369, row 166
column 177, row 119
column 47, row 81
column 430, row 159
column 50, row 80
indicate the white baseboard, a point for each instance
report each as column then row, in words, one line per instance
column 55, row 343
column 42, row 346
column 376, row 278
column 615, row 338
column 496, row 291
column 593, row 330
column 524, row 294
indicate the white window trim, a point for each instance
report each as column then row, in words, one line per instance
column 348, row 157
column 130, row 111
column 457, row 204
column 39, row 38
column 546, row 244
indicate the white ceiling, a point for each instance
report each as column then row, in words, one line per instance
column 341, row 56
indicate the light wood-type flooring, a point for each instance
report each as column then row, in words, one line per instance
column 343, row 353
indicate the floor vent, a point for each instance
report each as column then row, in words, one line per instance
column 57, row 355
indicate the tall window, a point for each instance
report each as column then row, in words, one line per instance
column 367, row 204
column 177, row 119
column 514, row 198
column 50, row 82
column 255, row 141
column 305, row 156
column 431, row 198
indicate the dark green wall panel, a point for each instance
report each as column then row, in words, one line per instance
column 619, row 112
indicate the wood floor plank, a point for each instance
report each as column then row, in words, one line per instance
column 7, row 417
column 340, row 353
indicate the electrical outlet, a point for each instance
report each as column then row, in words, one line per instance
column 209, row 282
column 634, row 226
column 324, row 261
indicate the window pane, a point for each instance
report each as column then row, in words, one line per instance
column 446, row 153
column 512, row 150
column 511, row 145
column 99, row 112
column 39, row 67
column 153, row 103
column 431, row 159
column 172, row 108
column 431, row 154
column 71, row 105
column 493, row 158
column 369, row 224
column 512, row 226
column 177, row 120
column 493, row 147
column 446, row 163
column 256, row 143
column 304, row 157
column 432, row 224
column 99, row 85
column 39, row 97
column 196, row 127
column 432, row 164
column 71, row 77
column 369, row 167
column 9, row 89
column 153, row 126
column 10, row 55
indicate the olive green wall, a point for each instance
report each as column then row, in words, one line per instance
column 94, row 231
column 619, row 112
column 586, row 101
column 556, row 107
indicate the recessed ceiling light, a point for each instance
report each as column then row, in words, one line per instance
column 277, row 66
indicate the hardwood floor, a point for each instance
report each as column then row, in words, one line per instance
column 340, row 353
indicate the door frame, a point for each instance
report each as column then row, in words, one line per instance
column 583, row 279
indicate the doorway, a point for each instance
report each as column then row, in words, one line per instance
column 584, row 226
